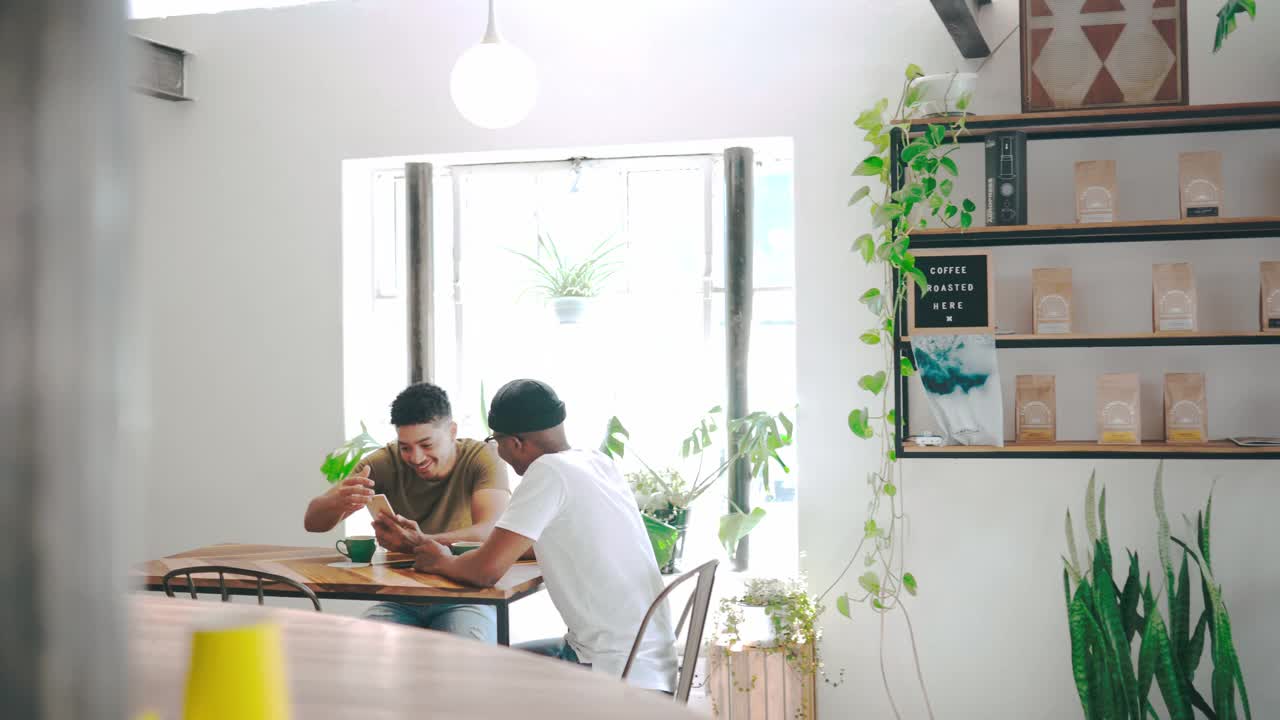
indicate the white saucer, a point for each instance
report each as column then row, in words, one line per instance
column 348, row 564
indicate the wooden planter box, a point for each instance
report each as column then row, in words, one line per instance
column 754, row 683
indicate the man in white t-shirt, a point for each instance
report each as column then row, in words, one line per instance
column 574, row 510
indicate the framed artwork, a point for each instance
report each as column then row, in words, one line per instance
column 1084, row 54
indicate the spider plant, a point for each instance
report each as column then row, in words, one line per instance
column 560, row 277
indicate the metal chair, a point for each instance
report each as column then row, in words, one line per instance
column 263, row 578
column 695, row 610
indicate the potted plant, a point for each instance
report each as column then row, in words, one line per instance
column 758, row 437
column 941, row 94
column 770, row 618
column 667, row 502
column 1105, row 619
column 570, row 285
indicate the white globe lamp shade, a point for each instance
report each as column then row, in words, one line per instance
column 494, row 85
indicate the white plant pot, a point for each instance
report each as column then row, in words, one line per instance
column 570, row 309
column 939, row 93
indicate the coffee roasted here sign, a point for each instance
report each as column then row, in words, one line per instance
column 961, row 297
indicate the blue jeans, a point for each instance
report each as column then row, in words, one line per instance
column 478, row 622
column 557, row 648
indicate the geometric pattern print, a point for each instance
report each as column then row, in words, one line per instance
column 1101, row 53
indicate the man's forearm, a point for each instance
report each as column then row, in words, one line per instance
column 474, row 533
column 323, row 514
column 466, row 569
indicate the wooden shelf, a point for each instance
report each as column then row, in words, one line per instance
column 1132, row 340
column 1217, row 449
column 1140, row 231
column 1120, row 121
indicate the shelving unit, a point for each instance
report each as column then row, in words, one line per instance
column 1217, row 449
column 1094, row 124
column 1143, row 231
column 1134, row 340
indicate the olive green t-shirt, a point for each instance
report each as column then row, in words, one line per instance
column 437, row 505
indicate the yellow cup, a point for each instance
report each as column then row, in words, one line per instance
column 237, row 672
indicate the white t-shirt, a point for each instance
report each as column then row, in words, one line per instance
column 597, row 563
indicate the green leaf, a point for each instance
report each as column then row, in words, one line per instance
column 870, row 582
column 871, row 166
column 949, row 165
column 615, row 439
column 343, row 460
column 913, row 72
column 859, row 194
column 891, row 417
column 937, row 133
column 842, row 605
column 946, row 187
column 866, row 245
column 737, row 525
column 1086, row 645
column 905, row 368
column 873, row 299
column 872, row 383
column 869, row 529
column 890, row 489
column 1166, row 674
column 966, row 220
column 909, row 582
column 870, row 337
column 917, row 276
column 968, row 205
column 858, row 423
column 913, row 151
column 962, row 102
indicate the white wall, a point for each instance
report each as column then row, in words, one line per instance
column 241, row 227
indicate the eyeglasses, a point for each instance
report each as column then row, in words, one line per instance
column 497, row 437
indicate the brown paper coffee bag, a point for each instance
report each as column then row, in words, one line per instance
column 1270, row 297
column 1118, row 410
column 1186, row 417
column 1173, row 297
column 1037, row 409
column 1051, row 300
column 1200, row 184
column 1096, row 191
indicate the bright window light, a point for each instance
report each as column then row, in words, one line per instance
column 165, row 8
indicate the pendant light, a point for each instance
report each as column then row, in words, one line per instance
column 494, row 84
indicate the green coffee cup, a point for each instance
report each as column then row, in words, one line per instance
column 463, row 546
column 357, row 548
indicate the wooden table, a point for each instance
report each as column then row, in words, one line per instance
column 310, row 567
column 344, row 667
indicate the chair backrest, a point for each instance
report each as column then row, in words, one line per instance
column 695, row 611
column 263, row 579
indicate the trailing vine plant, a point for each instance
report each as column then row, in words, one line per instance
column 925, row 197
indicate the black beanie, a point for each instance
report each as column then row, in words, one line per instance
column 524, row 406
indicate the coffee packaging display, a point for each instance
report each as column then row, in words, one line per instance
column 1051, row 300
column 1096, row 191
column 1173, row 298
column 1270, row 289
column 1186, row 417
column 1118, row 409
column 1037, row 409
column 1200, row 184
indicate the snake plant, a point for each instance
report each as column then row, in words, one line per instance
column 1103, row 619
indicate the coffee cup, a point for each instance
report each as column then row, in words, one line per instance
column 462, row 546
column 357, row 548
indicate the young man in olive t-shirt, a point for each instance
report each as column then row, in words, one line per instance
column 442, row 488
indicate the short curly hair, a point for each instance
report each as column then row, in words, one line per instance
column 420, row 404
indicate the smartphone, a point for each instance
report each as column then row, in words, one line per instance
column 378, row 505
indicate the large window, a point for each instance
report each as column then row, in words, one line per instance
column 650, row 349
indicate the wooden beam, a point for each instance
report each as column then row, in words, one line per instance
column 963, row 27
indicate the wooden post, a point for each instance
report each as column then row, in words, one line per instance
column 66, row 340
column 739, row 166
column 419, row 221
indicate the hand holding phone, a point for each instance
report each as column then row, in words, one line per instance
column 378, row 505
